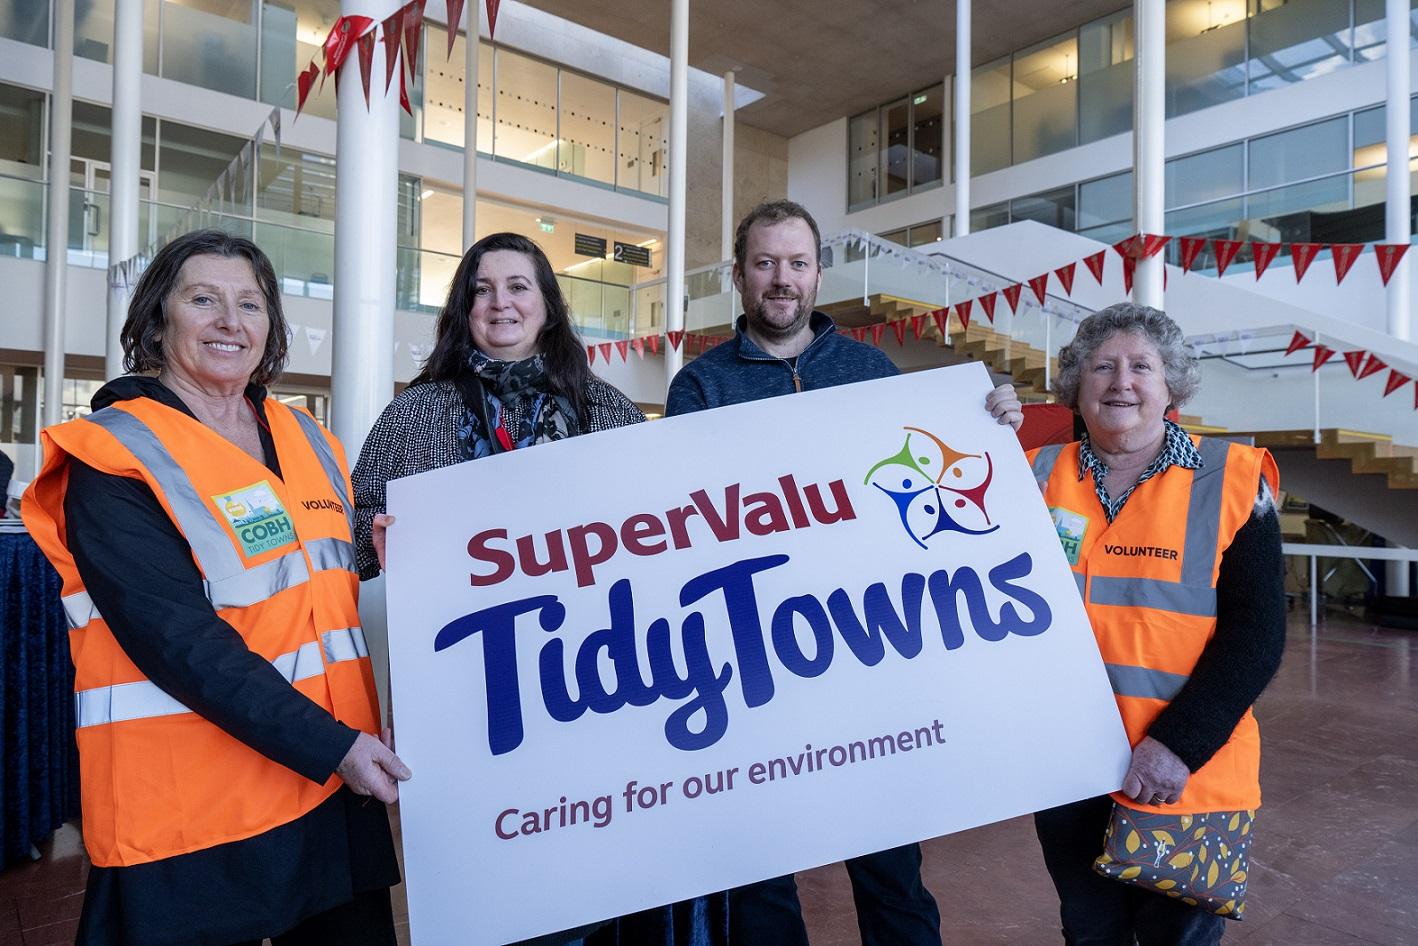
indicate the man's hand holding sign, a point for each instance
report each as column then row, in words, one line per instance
column 688, row 655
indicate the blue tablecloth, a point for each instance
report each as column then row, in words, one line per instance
column 39, row 781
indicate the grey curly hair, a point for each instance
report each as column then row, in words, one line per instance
column 1182, row 370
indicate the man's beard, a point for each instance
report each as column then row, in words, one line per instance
column 758, row 318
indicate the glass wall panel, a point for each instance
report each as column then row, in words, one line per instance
column 298, row 189
column 21, row 156
column 586, row 147
column 26, row 21
column 1205, row 176
column 444, row 90
column 1105, row 77
column 92, row 134
column 927, row 135
column 985, row 218
column 641, row 144
column 896, row 147
column 93, row 32
column 923, row 233
column 901, row 236
column 861, row 159
column 1107, row 200
column 526, row 110
column 1045, row 98
column 1054, row 208
column 190, row 160
column 292, row 32
column 212, row 44
column 1370, row 32
column 1315, row 211
column 1370, row 135
column 1206, row 53
column 1295, row 40
column 989, row 117
column 1300, row 153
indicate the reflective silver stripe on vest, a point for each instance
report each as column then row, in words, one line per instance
column 1043, row 464
column 1144, row 683
column 1081, row 580
column 331, row 553
column 145, row 699
column 79, row 609
column 1199, row 600
column 258, row 582
column 321, row 447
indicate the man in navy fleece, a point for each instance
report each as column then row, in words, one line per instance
column 782, row 346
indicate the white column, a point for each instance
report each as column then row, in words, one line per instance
column 678, row 159
column 726, row 219
column 1396, row 579
column 1149, row 122
column 126, row 157
column 962, row 118
column 56, row 246
column 470, row 127
column 1398, row 226
column 366, row 193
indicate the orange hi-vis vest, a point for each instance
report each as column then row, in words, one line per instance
column 1148, row 582
column 277, row 563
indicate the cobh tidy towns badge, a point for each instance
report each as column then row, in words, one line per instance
column 257, row 517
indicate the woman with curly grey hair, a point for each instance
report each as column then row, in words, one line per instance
column 1175, row 544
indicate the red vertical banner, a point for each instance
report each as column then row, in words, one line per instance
column 1396, row 380
column 1226, row 251
column 1095, row 264
column 366, row 62
column 1323, row 353
column 1302, row 255
column 1011, row 295
column 1297, row 342
column 1263, row 253
column 1373, row 366
column 876, row 333
column 1040, row 285
column 1389, row 255
column 987, row 302
column 1355, row 361
column 962, row 312
column 1065, row 275
column 1191, row 249
column 455, row 18
column 413, row 30
column 391, row 35
column 675, row 338
column 898, row 328
column 1344, row 256
column 492, row 6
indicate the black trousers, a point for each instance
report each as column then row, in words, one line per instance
column 1097, row 911
column 367, row 920
column 894, row 908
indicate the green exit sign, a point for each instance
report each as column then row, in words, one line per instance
column 919, row 100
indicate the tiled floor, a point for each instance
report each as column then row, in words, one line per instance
column 1335, row 862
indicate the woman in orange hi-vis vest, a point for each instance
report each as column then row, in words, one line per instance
column 227, row 724
column 1175, row 543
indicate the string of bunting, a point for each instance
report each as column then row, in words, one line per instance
column 1362, row 364
column 400, row 33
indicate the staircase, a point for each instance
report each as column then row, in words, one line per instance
column 1368, row 454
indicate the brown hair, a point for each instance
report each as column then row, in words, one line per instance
column 771, row 212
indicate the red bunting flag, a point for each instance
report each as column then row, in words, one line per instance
column 1355, row 361
column 1302, row 255
column 1126, row 248
column 404, row 92
column 1263, row 253
column 1129, row 268
column 1040, row 285
column 1151, row 244
column 654, row 341
column 1191, row 249
column 366, row 62
column 987, row 302
column 639, row 345
column 1396, row 380
column 1344, row 256
column 1323, row 353
column 1296, row 343
column 622, row 347
column 1095, row 264
column 1011, row 295
column 1389, row 255
column 605, row 349
column 918, row 323
column 860, row 333
column 1226, row 251
column 341, row 41
column 941, row 318
column 303, row 82
column 962, row 312
column 1373, row 366
column 898, row 328
column 455, row 17
column 393, row 33
column 492, row 6
column 413, row 29
column 1065, row 274
column 590, row 354
column 876, row 332
column 675, row 338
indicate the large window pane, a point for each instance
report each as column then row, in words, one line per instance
column 93, row 32
column 190, row 160
column 1206, row 52
column 1371, row 135
column 985, row 218
column 298, row 189
column 291, row 34
column 895, row 151
column 443, row 94
column 1045, row 98
column 924, row 233
column 1107, row 200
column 21, row 156
column 927, row 135
column 1206, row 176
column 26, row 21
column 641, row 144
column 587, row 145
column 526, row 110
column 1105, row 77
column 1294, row 40
column 1300, row 153
column 1054, row 208
column 989, row 117
column 1316, row 211
column 211, row 43
column 1218, row 219
column 861, row 159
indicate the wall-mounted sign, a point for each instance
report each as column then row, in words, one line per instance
column 632, row 254
column 591, row 246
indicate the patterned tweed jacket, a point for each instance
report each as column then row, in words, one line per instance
column 418, row 432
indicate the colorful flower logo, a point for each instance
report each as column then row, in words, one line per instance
column 927, row 478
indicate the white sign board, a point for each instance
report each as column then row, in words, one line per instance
column 669, row 659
